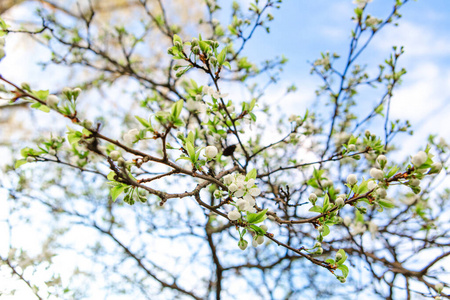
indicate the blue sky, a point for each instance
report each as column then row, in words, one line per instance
column 302, row 29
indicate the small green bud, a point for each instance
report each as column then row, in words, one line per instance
column 242, row 244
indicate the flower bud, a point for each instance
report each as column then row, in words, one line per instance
column 317, row 244
column 312, row 197
column 319, row 251
column 52, row 152
column 234, row 215
column 382, row 160
column 213, row 60
column 372, row 185
column 264, row 227
column 260, row 239
column 382, row 193
column 320, row 229
column 376, row 173
column 52, row 101
column 2, row 52
column 30, row 159
column 76, row 92
column 210, row 152
column 439, row 287
column 351, row 147
column 351, row 179
column 217, row 194
column 25, row 86
column 2, row 42
column 340, row 202
column 338, row 256
column 242, row 244
column 414, row 182
column 419, row 159
column 436, row 168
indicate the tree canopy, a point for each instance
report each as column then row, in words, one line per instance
column 150, row 161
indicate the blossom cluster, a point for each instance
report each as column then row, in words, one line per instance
column 245, row 190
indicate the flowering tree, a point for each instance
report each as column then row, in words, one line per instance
column 180, row 188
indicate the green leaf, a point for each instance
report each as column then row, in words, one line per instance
column 344, row 270
column 330, row 261
column 19, row 163
column 176, row 108
column 251, row 175
column 316, row 208
column 326, row 203
column 42, row 95
column 326, row 230
column 116, row 191
column 257, row 229
column 176, row 38
column 143, row 122
column 44, row 108
column 222, row 55
column 362, row 187
column 191, row 151
column 344, row 257
column 386, row 203
column 204, row 46
column 257, row 218
column 227, row 64
column 111, row 176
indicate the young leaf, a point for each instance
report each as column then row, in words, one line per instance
column 222, row 55
column 257, row 218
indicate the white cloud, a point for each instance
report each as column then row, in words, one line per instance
column 418, row 41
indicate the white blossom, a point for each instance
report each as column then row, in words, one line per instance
column 211, row 152
column 382, row 193
column 373, row 228
column 339, row 202
column 131, row 136
column 372, row 185
column 376, row 173
column 347, row 220
column 351, row 179
column 361, row 3
column 52, row 100
column 115, row 155
column 255, row 192
column 436, row 167
column 312, row 197
column 419, row 159
column 242, row 204
column 381, row 159
column 227, row 179
column 357, row 228
column 234, row 215
column 232, row 187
